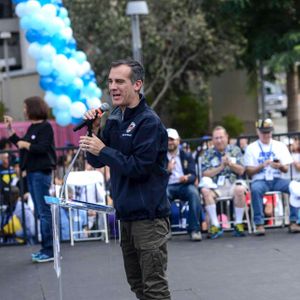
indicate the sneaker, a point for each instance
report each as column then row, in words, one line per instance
column 196, row 236
column 35, row 255
column 260, row 230
column 294, row 228
column 214, row 232
column 43, row 258
column 239, row 230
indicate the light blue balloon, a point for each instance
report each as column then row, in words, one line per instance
column 67, row 21
column 25, row 22
column 67, row 75
column 63, row 13
column 98, row 93
column 80, row 56
column 37, row 22
column 63, row 118
column 63, row 102
column 44, row 68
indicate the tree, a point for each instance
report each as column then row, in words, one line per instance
column 178, row 45
column 271, row 30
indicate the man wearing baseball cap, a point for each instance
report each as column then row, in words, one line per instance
column 181, row 185
column 265, row 160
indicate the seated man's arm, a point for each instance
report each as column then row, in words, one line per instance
column 214, row 171
column 280, row 166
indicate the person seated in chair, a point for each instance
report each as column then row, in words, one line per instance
column 223, row 164
column 181, row 185
column 266, row 160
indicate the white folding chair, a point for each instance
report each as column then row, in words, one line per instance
column 93, row 183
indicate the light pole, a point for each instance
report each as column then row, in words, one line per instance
column 6, row 99
column 134, row 9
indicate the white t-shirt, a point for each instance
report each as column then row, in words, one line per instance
column 177, row 171
column 295, row 173
column 257, row 153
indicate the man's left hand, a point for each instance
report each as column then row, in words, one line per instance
column 91, row 144
column 184, row 179
column 23, row 145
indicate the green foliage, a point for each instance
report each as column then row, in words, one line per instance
column 190, row 116
column 233, row 125
column 176, row 41
column 270, row 28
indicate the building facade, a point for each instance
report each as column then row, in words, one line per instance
column 18, row 78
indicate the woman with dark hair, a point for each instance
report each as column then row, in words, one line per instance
column 38, row 159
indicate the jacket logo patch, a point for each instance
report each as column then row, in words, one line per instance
column 130, row 127
column 185, row 164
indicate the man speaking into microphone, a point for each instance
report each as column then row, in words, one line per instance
column 134, row 145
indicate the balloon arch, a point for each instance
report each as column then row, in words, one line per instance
column 65, row 74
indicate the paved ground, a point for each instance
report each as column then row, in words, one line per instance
column 227, row 269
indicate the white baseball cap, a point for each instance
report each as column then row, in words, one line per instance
column 207, row 182
column 173, row 134
column 294, row 193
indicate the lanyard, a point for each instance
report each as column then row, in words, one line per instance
column 266, row 155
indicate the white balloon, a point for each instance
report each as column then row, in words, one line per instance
column 93, row 103
column 60, row 61
column 34, row 50
column 21, row 9
column 77, row 109
column 84, row 68
column 49, row 11
column 63, row 102
column 67, row 33
column 51, row 99
column 78, row 82
column 32, row 7
column 54, row 26
column 48, row 52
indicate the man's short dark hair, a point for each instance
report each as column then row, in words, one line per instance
column 137, row 70
column 37, row 108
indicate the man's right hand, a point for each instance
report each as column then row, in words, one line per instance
column 8, row 121
column 171, row 165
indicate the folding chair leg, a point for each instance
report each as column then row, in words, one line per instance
column 248, row 219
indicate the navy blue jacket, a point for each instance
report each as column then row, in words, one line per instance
column 136, row 152
column 188, row 166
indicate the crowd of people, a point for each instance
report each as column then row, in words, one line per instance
column 246, row 173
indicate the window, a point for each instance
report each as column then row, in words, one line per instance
column 6, row 9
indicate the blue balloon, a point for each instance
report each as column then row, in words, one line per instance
column 18, row 1
column 37, row 36
column 76, row 121
column 72, row 91
column 46, row 83
column 58, row 87
column 63, row 118
column 43, row 2
column 72, row 44
column 86, row 78
column 58, row 42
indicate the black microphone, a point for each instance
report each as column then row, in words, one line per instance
column 99, row 112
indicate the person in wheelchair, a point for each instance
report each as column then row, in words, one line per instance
column 181, row 185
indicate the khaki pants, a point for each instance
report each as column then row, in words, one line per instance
column 144, row 247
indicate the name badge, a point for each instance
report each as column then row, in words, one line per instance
column 269, row 174
column 221, row 180
column 232, row 159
